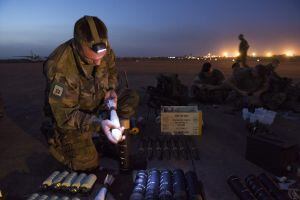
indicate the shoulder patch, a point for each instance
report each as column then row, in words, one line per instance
column 57, row 90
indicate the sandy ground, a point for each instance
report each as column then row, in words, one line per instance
column 25, row 162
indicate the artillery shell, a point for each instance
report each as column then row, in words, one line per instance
column 77, row 182
column 88, row 182
column 54, row 197
column 58, row 179
column 48, row 182
column 33, row 196
column 69, row 180
column 43, row 197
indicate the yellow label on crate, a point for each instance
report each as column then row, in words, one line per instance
column 181, row 123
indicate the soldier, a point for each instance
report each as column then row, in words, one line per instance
column 205, row 83
column 281, row 93
column 243, row 49
column 247, row 84
column 81, row 74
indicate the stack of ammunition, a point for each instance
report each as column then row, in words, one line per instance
column 70, row 182
column 166, row 185
column 261, row 188
column 168, row 147
column 37, row 196
column 124, row 154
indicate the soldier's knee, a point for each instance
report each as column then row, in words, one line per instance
column 85, row 161
column 78, row 153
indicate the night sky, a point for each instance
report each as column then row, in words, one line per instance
column 156, row 27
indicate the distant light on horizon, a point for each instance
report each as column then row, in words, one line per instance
column 261, row 52
column 269, row 54
column 237, row 54
column 225, row 54
column 289, row 53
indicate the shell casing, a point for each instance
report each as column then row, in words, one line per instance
column 75, row 198
column 69, row 180
column 43, row 197
column 54, row 197
column 58, row 179
column 33, row 196
column 64, row 198
column 88, row 182
column 77, row 182
column 48, row 182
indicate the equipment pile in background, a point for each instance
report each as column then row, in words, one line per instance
column 165, row 184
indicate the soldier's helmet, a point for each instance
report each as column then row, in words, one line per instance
column 241, row 36
column 91, row 31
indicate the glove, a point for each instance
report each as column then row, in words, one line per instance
column 107, row 126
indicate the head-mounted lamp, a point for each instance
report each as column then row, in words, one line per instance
column 99, row 47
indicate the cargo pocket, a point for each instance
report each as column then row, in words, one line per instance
column 84, row 153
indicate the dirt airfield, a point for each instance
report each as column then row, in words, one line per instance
column 25, row 161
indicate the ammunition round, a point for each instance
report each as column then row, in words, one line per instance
column 43, row 197
column 139, row 185
column 77, row 182
column 66, row 184
column 33, row 196
column 179, row 185
column 88, row 182
column 53, row 198
column 48, row 182
column 58, row 179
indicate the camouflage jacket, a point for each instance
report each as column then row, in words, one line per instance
column 216, row 78
column 244, row 46
column 76, row 90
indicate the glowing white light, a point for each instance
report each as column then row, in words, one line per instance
column 225, row 54
column 101, row 50
column 289, row 53
column 237, row 54
column 253, row 54
column 257, row 60
column 269, row 54
column 233, row 60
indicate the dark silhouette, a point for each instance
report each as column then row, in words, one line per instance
column 243, row 49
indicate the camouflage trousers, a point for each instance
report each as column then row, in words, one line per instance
column 209, row 96
column 78, row 151
column 243, row 59
column 239, row 101
column 283, row 99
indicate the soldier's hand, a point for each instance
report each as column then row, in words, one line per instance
column 111, row 94
column 107, row 125
column 243, row 93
